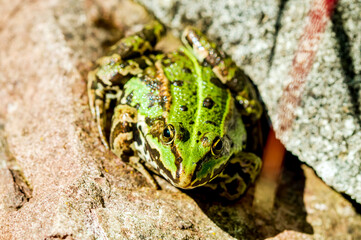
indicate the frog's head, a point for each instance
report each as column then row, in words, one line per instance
column 192, row 155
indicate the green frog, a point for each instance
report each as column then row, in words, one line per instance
column 182, row 115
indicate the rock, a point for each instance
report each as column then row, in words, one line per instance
column 58, row 182
column 306, row 42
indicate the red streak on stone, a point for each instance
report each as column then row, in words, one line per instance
column 318, row 16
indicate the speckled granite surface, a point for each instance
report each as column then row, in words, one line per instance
column 264, row 37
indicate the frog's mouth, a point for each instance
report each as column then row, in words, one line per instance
column 199, row 178
column 200, row 175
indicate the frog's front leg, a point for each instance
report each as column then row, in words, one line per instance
column 101, row 91
column 241, row 171
column 226, row 70
column 124, row 125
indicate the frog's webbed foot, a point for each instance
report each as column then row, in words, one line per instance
column 227, row 72
column 240, row 172
column 113, row 71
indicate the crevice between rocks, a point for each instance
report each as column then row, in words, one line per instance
column 21, row 187
column 59, row 236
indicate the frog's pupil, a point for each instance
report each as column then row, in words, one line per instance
column 166, row 133
column 218, row 145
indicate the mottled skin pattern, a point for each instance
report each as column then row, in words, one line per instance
column 181, row 114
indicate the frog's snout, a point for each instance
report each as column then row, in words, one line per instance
column 184, row 179
column 184, row 184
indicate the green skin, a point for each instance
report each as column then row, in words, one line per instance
column 176, row 111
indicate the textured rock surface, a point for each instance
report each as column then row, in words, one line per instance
column 58, row 182
column 264, row 37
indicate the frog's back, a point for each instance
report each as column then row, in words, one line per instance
column 177, row 89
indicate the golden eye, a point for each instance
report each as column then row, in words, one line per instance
column 217, row 146
column 168, row 134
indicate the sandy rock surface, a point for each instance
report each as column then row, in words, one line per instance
column 58, row 182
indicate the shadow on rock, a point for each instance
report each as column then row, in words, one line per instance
column 242, row 221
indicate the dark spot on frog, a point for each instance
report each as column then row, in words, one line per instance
column 178, row 158
column 137, row 138
column 129, row 98
column 208, row 103
column 237, row 168
column 98, row 97
column 199, row 133
column 197, row 141
column 94, row 85
column 191, row 122
column 232, row 187
column 210, row 122
column 122, row 127
column 116, row 78
column 183, row 108
column 183, row 134
column 150, row 82
column 187, row 70
column 154, row 154
column 153, row 84
column 127, row 152
column 163, row 102
column 153, row 100
column 217, row 82
column 178, row 83
column 151, row 104
column 205, row 64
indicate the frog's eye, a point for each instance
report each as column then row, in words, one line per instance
column 168, row 134
column 217, row 146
